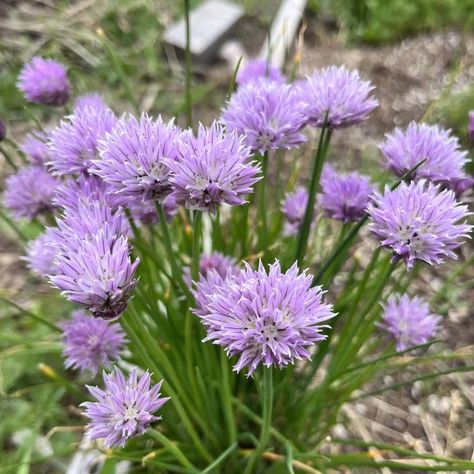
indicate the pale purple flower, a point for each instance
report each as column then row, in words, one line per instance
column 404, row 149
column 40, row 255
column 339, row 93
column 267, row 114
column 44, row 81
column 344, row 197
column 29, row 193
column 269, row 318
column 93, row 100
column 213, row 168
column 470, row 126
column 132, row 157
column 74, row 144
column 294, row 209
column 419, row 221
column 216, row 261
column 256, row 69
column 35, row 148
column 90, row 343
column 144, row 212
column 409, row 321
column 94, row 266
column 124, row 409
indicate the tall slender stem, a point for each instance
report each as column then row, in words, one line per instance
column 261, row 211
column 197, row 225
column 8, row 159
column 171, row 447
column 267, row 401
column 188, row 67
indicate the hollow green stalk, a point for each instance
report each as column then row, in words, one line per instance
column 188, row 67
column 261, row 208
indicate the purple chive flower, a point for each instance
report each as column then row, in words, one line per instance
column 344, row 197
column 294, row 209
column 95, row 269
column 339, row 93
column 90, row 343
column 144, row 212
column 215, row 262
column 256, row 69
column 269, row 318
column 44, row 81
column 40, row 255
column 418, row 221
column 74, row 144
column 132, row 157
column 213, row 168
column 445, row 161
column 267, row 114
column 29, row 193
column 35, row 148
column 409, row 321
column 124, row 409
column 3, row 130
column 470, row 126
column 93, row 100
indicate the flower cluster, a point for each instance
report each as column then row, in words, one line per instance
column 259, row 68
column 409, row 321
column 294, row 208
column 36, row 149
column 93, row 100
column 214, row 263
column 419, row 221
column 41, row 253
column 124, row 409
column 269, row 318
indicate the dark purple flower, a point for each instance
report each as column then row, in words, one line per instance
column 29, row 193
column 470, row 126
column 445, row 161
column 344, row 197
column 124, row 409
column 40, row 255
column 213, row 168
column 3, row 130
column 44, row 81
column 409, row 321
column 90, row 343
column 35, row 148
column 132, row 157
column 259, row 68
column 93, row 100
column 269, row 318
column 339, row 93
column 418, row 221
column 74, row 144
column 267, row 114
column 222, row 264
column 294, row 209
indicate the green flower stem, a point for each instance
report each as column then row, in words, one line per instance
column 8, row 159
column 4, row 216
column 172, row 448
column 261, row 205
column 267, row 401
column 196, row 249
column 227, row 398
column 318, row 162
column 188, row 67
column 220, row 459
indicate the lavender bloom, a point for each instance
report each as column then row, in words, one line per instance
column 418, row 221
column 256, row 69
column 30, row 192
column 74, row 144
column 267, row 114
column 340, row 94
column 144, row 212
column 222, row 264
column 344, row 198
column 93, row 100
column 445, row 161
column 409, row 321
column 265, row 318
column 90, row 343
column 213, row 168
column 3, row 130
column 132, row 157
column 40, row 255
column 294, row 209
column 44, row 81
column 124, row 409
column 470, row 126
column 35, row 148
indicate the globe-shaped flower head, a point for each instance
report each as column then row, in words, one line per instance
column 30, row 192
column 132, row 157
column 35, row 148
column 44, row 81
column 269, row 318
column 445, row 161
column 90, row 343
column 409, row 321
column 40, row 255
column 267, row 114
column 418, row 221
column 339, row 93
column 93, row 100
column 74, row 144
column 256, row 69
column 215, row 262
column 124, row 409
column 344, row 197
column 213, row 168
column 293, row 208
